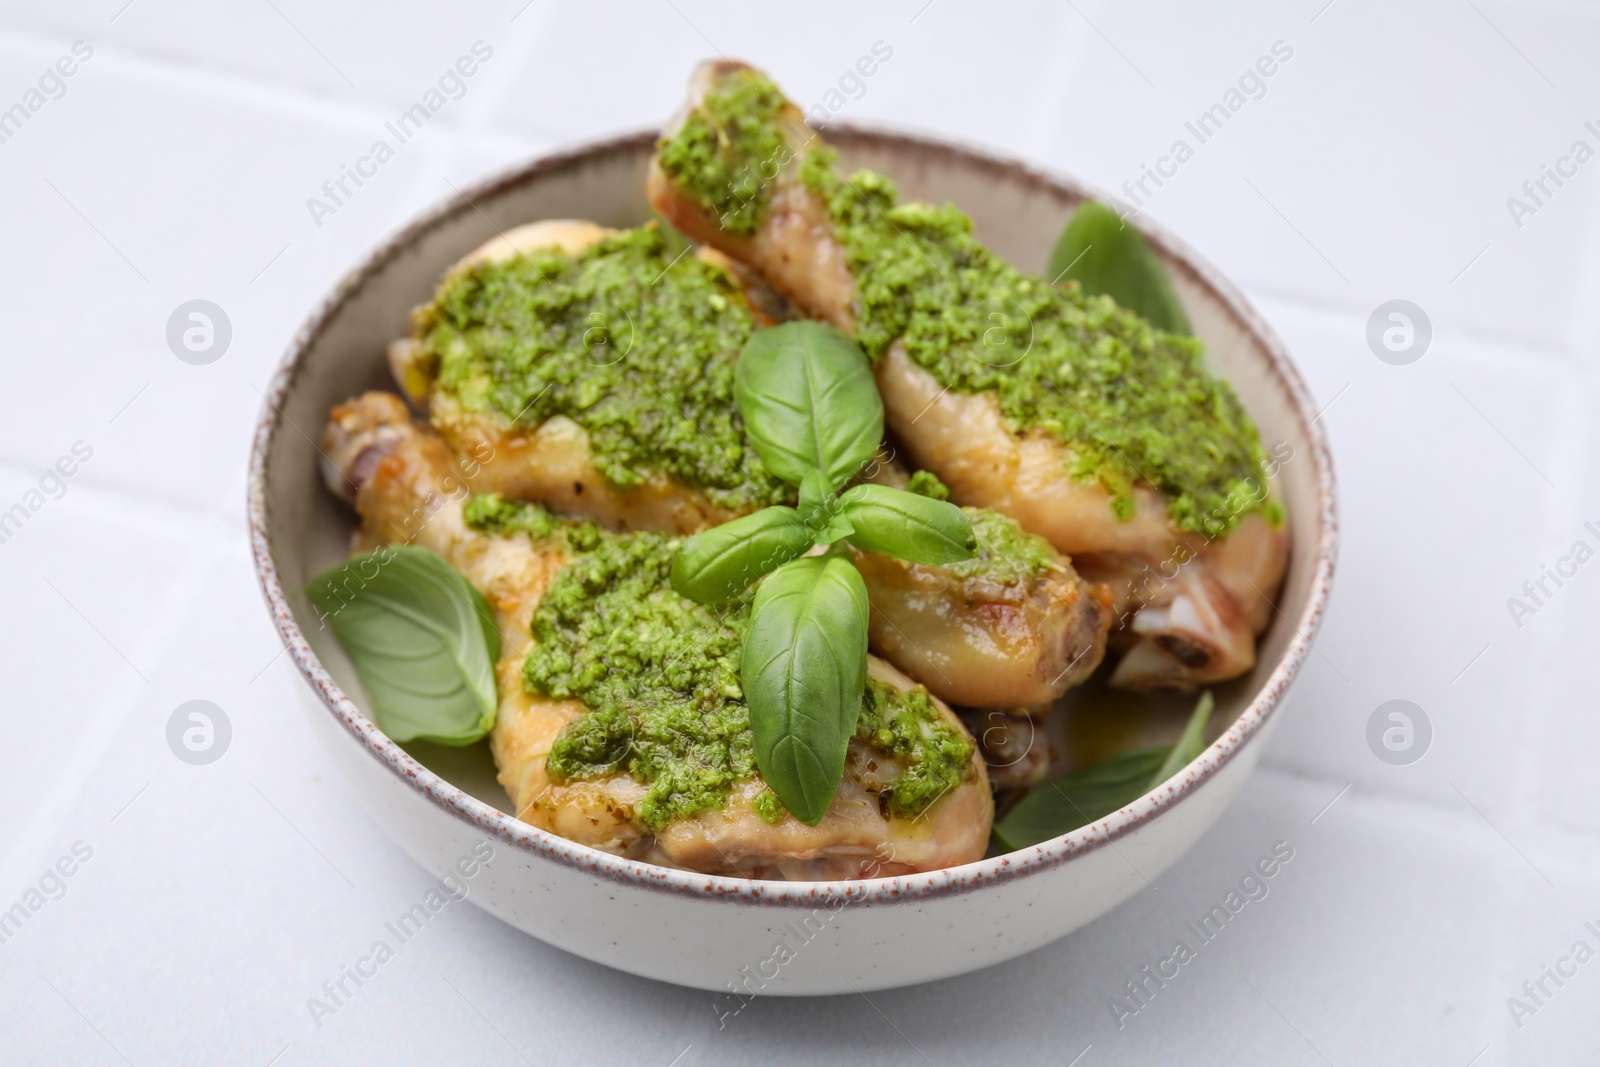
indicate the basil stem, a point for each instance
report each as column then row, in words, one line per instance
column 817, row 502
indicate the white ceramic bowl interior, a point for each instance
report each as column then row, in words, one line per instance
column 725, row 933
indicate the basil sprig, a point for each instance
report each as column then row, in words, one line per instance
column 1107, row 255
column 814, row 416
column 422, row 640
column 1080, row 798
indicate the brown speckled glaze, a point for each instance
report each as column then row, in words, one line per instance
column 855, row 143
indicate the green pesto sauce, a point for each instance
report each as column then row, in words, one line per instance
column 1006, row 554
column 927, row 483
column 769, row 807
column 493, row 514
column 729, row 150
column 637, row 349
column 1132, row 402
column 659, row 675
column 906, row 725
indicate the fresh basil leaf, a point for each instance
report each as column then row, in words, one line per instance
column 1080, row 798
column 809, row 401
column 912, row 527
column 1108, row 255
column 721, row 563
column 1061, row 806
column 804, row 669
column 422, row 640
column 1190, row 743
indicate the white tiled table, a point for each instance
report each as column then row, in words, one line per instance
column 1376, row 165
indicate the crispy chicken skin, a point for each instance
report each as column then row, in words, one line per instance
column 793, row 249
column 984, row 636
column 981, row 643
column 553, row 462
column 1189, row 608
column 408, row 489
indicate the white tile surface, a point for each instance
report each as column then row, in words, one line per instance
column 1445, row 512
column 1390, row 141
column 178, row 165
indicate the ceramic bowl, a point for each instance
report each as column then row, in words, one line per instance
column 727, row 934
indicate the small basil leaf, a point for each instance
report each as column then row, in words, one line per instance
column 817, row 502
column 1190, row 743
column 809, row 401
column 721, row 563
column 1061, row 806
column 422, row 640
column 804, row 669
column 839, row 528
column 914, row 528
column 1107, row 255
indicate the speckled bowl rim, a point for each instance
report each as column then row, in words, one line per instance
column 881, row 891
